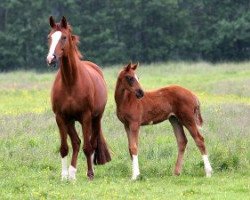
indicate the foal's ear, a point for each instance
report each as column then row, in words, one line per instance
column 63, row 22
column 135, row 66
column 128, row 67
column 52, row 22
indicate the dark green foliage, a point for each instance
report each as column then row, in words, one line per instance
column 122, row 30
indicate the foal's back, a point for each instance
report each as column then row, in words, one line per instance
column 158, row 105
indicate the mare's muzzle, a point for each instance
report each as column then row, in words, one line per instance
column 52, row 62
column 139, row 93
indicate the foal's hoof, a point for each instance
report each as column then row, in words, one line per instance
column 135, row 177
column 90, row 176
column 177, row 173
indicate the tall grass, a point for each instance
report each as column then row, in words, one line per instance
column 29, row 139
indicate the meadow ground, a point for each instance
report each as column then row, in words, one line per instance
column 29, row 139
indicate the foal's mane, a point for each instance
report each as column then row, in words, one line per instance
column 75, row 38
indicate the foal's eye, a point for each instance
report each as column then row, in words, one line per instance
column 130, row 80
column 64, row 37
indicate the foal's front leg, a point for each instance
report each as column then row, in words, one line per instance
column 133, row 134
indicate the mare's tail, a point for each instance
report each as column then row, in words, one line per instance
column 197, row 114
column 102, row 154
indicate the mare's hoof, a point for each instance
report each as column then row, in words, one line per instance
column 65, row 175
column 90, row 176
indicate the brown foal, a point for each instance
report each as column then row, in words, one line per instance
column 174, row 103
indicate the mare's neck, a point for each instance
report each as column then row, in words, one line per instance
column 68, row 68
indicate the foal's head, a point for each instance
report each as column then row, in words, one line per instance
column 61, row 41
column 129, row 80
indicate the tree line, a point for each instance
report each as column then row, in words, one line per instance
column 116, row 31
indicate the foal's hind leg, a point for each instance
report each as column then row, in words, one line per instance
column 75, row 141
column 181, row 142
column 199, row 140
column 64, row 145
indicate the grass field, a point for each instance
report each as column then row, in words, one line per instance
column 29, row 140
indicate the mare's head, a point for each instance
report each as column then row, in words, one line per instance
column 129, row 80
column 61, row 41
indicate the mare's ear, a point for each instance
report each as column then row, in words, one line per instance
column 63, row 22
column 75, row 39
column 52, row 22
column 135, row 66
column 128, row 67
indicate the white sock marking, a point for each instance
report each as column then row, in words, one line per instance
column 55, row 39
column 64, row 168
column 135, row 167
column 136, row 77
column 72, row 173
column 92, row 161
column 207, row 166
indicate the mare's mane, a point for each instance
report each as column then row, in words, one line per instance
column 75, row 38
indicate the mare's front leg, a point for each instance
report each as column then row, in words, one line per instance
column 87, row 147
column 133, row 134
column 64, row 145
column 75, row 142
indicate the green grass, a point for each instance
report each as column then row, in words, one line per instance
column 29, row 139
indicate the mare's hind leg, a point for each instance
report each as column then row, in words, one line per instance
column 87, row 147
column 64, row 145
column 199, row 140
column 133, row 134
column 181, row 142
column 75, row 141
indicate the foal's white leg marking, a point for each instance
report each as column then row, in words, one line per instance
column 72, row 173
column 55, row 39
column 135, row 167
column 207, row 166
column 64, row 169
column 136, row 77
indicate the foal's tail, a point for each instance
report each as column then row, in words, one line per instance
column 102, row 154
column 197, row 114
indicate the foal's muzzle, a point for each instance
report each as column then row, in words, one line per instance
column 139, row 93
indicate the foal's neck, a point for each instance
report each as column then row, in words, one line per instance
column 68, row 69
column 121, row 94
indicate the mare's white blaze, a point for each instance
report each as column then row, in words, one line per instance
column 136, row 77
column 72, row 173
column 135, row 167
column 207, row 166
column 55, row 39
column 64, row 168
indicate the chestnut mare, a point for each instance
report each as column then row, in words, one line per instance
column 79, row 94
column 136, row 108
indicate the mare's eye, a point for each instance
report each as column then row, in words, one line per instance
column 64, row 37
column 130, row 80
